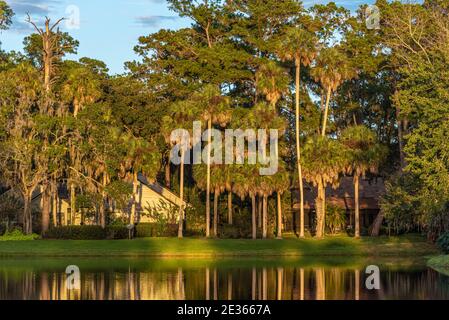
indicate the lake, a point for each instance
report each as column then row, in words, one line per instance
column 220, row 279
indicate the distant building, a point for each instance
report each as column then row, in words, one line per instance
column 370, row 192
column 149, row 195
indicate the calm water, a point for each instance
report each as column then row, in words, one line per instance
column 194, row 279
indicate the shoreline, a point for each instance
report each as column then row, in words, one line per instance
column 336, row 246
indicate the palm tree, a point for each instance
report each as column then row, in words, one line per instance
column 218, row 181
column 300, row 46
column 181, row 115
column 323, row 161
column 265, row 117
column 272, row 80
column 281, row 183
column 141, row 156
column 331, row 70
column 215, row 110
column 243, row 185
column 364, row 155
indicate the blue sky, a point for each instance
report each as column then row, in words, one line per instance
column 108, row 29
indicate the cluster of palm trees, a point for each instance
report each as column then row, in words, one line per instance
column 321, row 159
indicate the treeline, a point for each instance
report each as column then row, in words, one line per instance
column 347, row 99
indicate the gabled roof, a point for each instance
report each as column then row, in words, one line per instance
column 370, row 192
column 164, row 192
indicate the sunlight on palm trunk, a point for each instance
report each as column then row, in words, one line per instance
column 132, row 217
column 298, row 152
column 279, row 216
column 265, row 217
column 230, row 207
column 216, row 197
column 326, row 111
column 357, row 207
column 253, row 216
column 209, row 141
column 181, row 196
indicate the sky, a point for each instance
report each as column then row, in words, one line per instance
column 107, row 30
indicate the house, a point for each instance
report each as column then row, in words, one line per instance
column 149, row 195
column 370, row 192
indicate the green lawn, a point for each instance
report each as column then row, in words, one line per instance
column 410, row 245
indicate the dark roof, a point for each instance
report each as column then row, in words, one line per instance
column 370, row 191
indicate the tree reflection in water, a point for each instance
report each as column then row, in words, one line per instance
column 258, row 282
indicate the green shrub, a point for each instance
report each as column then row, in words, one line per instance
column 335, row 218
column 87, row 233
column 147, row 230
column 18, row 235
column 443, row 242
column 117, row 232
column 234, row 231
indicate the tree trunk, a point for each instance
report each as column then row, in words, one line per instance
column 356, row 206
column 320, row 210
column 216, row 197
column 326, row 111
column 72, row 203
column 167, row 175
column 102, row 203
column 279, row 216
column 230, row 207
column 400, row 138
column 259, row 212
column 209, row 141
column 298, row 152
column 253, row 216
column 46, row 205
column 265, row 217
column 132, row 217
column 27, row 219
column 181, row 195
column 377, row 224
column 54, row 207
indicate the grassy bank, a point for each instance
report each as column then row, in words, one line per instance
column 410, row 245
column 440, row 264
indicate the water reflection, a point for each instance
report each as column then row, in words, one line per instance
column 131, row 280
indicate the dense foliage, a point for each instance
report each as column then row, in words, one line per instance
column 345, row 99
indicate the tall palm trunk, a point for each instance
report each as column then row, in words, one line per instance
column 298, row 151
column 279, row 216
column 132, row 217
column 54, row 205
column 27, row 219
column 357, row 206
column 326, row 111
column 72, row 204
column 253, row 216
column 209, row 141
column 230, row 207
column 265, row 217
column 54, row 210
column 181, row 196
column 46, row 205
column 320, row 210
column 216, row 197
